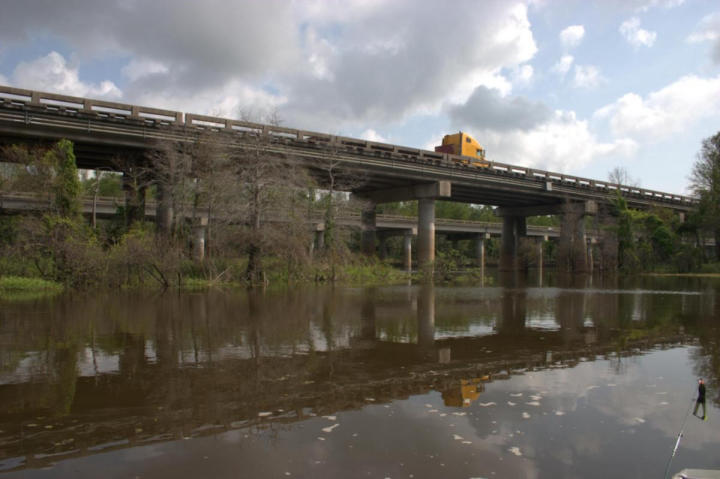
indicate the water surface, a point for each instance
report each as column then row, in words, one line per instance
column 575, row 378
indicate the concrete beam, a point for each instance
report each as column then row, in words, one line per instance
column 580, row 208
column 420, row 191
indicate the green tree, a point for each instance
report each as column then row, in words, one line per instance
column 67, row 186
column 705, row 181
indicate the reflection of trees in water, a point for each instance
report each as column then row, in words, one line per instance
column 707, row 356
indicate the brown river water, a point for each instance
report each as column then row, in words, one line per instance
column 564, row 377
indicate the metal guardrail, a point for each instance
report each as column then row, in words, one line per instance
column 17, row 97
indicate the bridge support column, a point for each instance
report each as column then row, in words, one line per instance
column 514, row 228
column 539, row 248
column 369, row 229
column 198, row 243
column 426, row 234
column 480, row 251
column 407, row 251
column 320, row 239
column 425, row 193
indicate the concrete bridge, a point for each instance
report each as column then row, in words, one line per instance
column 102, row 130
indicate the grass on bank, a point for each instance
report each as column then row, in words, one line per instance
column 18, row 288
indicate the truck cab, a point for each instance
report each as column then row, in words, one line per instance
column 464, row 145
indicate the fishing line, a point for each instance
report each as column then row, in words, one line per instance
column 680, row 435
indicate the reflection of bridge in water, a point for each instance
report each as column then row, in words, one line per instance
column 150, row 402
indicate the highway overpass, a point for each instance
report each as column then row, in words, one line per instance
column 103, row 130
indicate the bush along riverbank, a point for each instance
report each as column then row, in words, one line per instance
column 20, row 288
column 243, row 218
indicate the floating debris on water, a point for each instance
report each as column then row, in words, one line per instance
column 458, row 437
column 486, row 404
column 536, row 397
column 459, row 413
column 525, row 415
column 515, row 450
column 516, row 395
column 320, row 438
column 330, row 428
column 533, row 403
column 510, row 403
column 264, row 414
column 639, row 420
column 330, row 418
column 559, row 413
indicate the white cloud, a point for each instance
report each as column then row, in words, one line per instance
column 667, row 111
column 708, row 30
column 587, row 76
column 563, row 65
column 636, row 36
column 572, row 36
column 372, row 135
column 562, row 144
column 645, row 5
column 52, row 73
column 3, row 80
column 235, row 99
column 523, row 75
column 140, row 68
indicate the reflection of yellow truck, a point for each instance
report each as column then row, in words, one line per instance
column 463, row 396
column 464, row 145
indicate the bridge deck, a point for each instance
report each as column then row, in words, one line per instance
column 102, row 130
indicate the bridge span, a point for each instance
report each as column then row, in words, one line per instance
column 102, row 130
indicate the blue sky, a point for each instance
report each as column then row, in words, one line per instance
column 573, row 86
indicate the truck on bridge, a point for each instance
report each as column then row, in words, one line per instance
column 464, row 145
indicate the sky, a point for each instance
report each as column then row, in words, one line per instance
column 572, row 86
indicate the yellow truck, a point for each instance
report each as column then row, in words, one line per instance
column 464, row 145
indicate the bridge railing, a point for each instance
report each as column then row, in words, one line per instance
column 154, row 116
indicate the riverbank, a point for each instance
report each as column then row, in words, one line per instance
column 20, row 288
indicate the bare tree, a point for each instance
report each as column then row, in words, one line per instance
column 337, row 180
column 268, row 185
column 619, row 175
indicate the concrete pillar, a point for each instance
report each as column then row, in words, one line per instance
column 369, row 229
column 407, row 251
column 539, row 248
column 199, row 229
column 480, row 252
column 514, row 228
column 590, row 259
column 320, row 240
column 164, row 214
column 426, row 234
